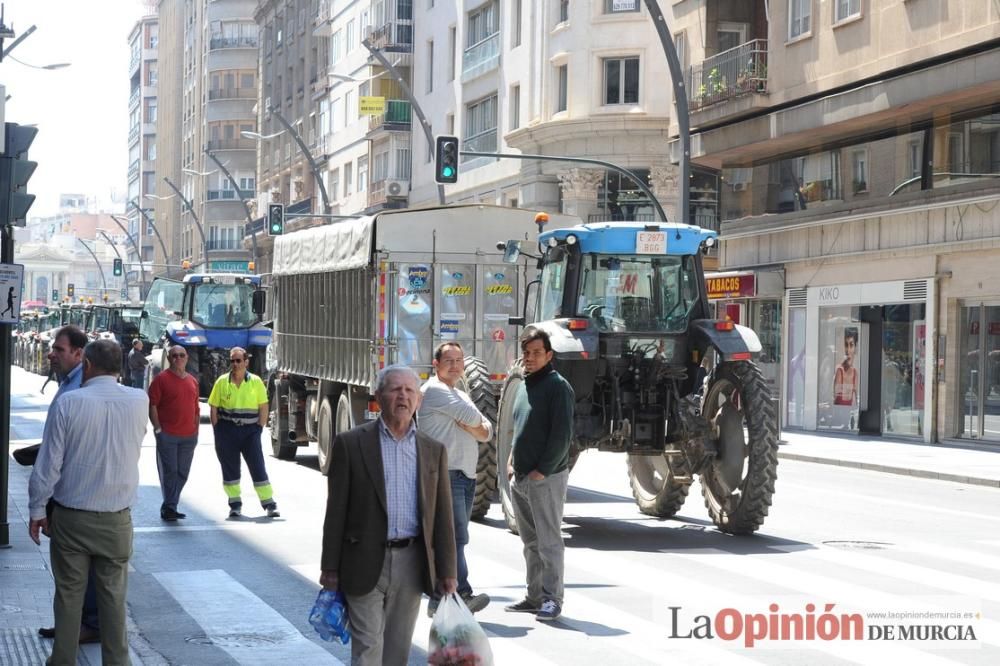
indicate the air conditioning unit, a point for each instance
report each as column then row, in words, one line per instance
column 397, row 188
column 739, row 187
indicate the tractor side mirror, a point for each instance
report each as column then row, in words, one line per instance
column 511, row 251
column 259, row 302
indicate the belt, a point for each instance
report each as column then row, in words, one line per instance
column 69, row 508
column 401, row 543
column 241, row 422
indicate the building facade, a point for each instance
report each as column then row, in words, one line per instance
column 856, row 151
column 143, row 72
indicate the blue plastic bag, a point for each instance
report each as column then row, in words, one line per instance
column 329, row 617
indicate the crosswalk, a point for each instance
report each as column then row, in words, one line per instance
column 617, row 605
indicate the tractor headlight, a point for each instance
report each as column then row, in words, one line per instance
column 571, row 240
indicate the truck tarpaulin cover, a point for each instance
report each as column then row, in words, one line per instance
column 335, row 247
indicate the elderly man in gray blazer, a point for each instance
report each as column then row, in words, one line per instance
column 389, row 535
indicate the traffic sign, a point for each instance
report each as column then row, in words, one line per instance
column 11, row 276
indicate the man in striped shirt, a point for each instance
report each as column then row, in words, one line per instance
column 88, row 465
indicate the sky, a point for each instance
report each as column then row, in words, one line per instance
column 81, row 111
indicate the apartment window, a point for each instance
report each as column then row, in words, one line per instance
column 516, row 20
column 563, row 11
column 362, row 174
column 350, row 109
column 151, row 150
column 248, row 183
column 452, row 50
column 799, row 15
column 621, row 81
column 515, row 107
column 150, row 110
column 430, row 66
column 844, row 9
column 333, row 183
column 335, row 48
column 483, row 23
column 336, row 114
column 246, row 81
column 620, row 6
column 481, row 125
column 956, row 153
column 681, row 46
column 859, row 171
column 151, row 74
column 913, row 160
column 349, row 44
column 563, row 88
column 348, row 177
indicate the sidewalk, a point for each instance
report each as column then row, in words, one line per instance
column 26, row 584
column 958, row 461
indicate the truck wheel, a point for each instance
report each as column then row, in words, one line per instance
column 484, row 394
column 324, row 428
column 504, row 437
column 282, row 448
column 738, row 484
column 653, row 486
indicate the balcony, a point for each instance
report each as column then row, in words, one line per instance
column 133, row 170
column 232, row 93
column 481, row 58
column 232, row 43
column 133, row 134
column 133, row 99
column 738, row 72
column 133, row 63
column 215, row 244
column 228, row 195
column 231, row 144
column 395, row 119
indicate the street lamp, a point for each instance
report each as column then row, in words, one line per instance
column 55, row 65
column 99, row 267
column 194, row 216
column 142, row 269
column 258, row 136
column 308, row 155
column 149, row 221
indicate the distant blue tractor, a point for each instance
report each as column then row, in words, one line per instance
column 655, row 376
column 207, row 314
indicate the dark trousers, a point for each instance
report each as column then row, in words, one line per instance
column 232, row 442
column 173, row 462
column 463, row 492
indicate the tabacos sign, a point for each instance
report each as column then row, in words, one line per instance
column 731, row 286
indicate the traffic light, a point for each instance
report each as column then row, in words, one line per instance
column 70, row 290
column 118, row 269
column 15, row 171
column 446, row 159
column 275, row 219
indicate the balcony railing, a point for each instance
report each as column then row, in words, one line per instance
column 734, row 73
column 224, row 244
column 396, row 116
column 133, row 99
column 231, row 144
column 393, row 36
column 228, row 195
column 133, row 169
column 481, row 58
column 232, row 43
column 134, row 61
column 133, row 134
column 232, row 93
column 485, row 142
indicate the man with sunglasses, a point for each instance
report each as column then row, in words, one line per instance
column 173, row 411
column 239, row 411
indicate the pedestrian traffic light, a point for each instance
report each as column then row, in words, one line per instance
column 275, row 219
column 118, row 270
column 15, row 171
column 70, row 290
column 446, row 159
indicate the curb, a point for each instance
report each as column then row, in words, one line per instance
column 890, row 469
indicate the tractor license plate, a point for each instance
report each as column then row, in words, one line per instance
column 651, row 242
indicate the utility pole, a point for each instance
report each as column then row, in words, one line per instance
column 194, row 216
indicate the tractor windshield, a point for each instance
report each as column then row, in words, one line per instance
column 218, row 305
column 625, row 293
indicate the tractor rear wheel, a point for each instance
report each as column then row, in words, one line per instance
column 738, row 484
column 654, row 488
column 504, row 438
column 485, row 395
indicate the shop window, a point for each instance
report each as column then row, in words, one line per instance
column 842, row 378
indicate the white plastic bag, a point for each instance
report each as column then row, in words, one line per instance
column 456, row 638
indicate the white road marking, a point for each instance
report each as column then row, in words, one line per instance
column 232, row 616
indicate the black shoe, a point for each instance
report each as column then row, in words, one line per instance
column 180, row 515
column 168, row 515
column 87, row 634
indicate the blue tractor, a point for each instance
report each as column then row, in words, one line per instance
column 656, row 377
column 208, row 314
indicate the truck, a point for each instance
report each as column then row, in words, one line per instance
column 207, row 314
column 655, row 375
column 358, row 295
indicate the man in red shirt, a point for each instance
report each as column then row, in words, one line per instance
column 173, row 411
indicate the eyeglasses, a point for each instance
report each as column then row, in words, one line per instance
column 236, row 360
column 178, row 356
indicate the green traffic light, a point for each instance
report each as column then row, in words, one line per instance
column 447, row 172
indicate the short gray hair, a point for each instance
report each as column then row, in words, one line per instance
column 104, row 356
column 384, row 373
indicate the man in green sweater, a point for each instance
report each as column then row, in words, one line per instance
column 539, row 465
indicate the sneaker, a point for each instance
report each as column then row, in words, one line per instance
column 432, row 606
column 235, row 511
column 549, row 611
column 523, row 606
column 476, row 602
column 272, row 511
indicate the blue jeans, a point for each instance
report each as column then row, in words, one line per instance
column 463, row 492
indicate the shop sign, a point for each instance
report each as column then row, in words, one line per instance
column 731, row 286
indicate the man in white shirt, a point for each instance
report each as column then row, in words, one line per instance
column 448, row 415
column 88, row 465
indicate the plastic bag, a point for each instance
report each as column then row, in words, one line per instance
column 456, row 638
column 329, row 617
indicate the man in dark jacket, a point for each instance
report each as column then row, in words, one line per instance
column 539, row 465
column 389, row 534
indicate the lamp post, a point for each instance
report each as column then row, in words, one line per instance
column 194, row 216
column 305, row 152
column 138, row 253
column 239, row 195
column 149, row 221
column 117, row 254
column 98, row 262
column 405, row 87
